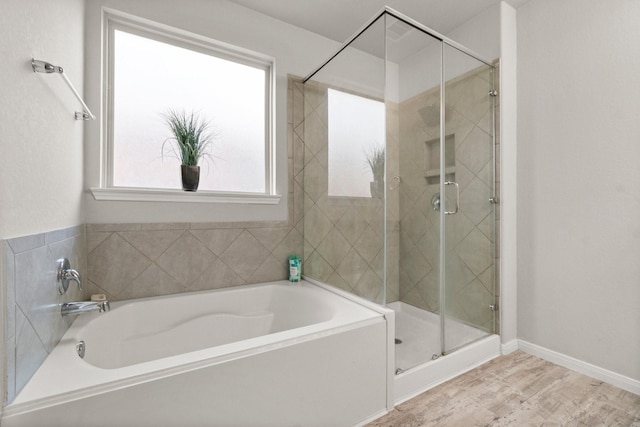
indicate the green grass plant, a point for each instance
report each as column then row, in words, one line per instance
column 192, row 135
column 375, row 157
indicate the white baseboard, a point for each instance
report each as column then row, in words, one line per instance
column 585, row 368
column 509, row 347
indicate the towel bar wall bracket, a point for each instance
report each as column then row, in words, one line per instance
column 47, row 68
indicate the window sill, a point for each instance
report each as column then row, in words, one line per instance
column 163, row 195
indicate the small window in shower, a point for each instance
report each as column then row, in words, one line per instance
column 356, row 154
column 154, row 70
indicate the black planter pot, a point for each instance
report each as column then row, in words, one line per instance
column 377, row 189
column 190, row 177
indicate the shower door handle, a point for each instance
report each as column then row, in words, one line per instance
column 455, row 210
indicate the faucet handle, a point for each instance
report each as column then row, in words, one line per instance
column 66, row 274
column 63, row 282
column 72, row 274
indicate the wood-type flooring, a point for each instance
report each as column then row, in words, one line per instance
column 518, row 390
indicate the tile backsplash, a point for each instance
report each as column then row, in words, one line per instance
column 33, row 324
column 141, row 260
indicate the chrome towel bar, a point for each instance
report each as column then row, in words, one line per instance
column 47, row 68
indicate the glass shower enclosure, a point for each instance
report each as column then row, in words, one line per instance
column 399, row 183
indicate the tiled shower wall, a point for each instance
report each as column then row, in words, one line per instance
column 343, row 236
column 33, row 322
column 470, row 261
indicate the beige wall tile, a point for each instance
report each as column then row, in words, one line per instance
column 317, row 267
column 245, row 255
column 270, row 270
column 152, row 282
column 185, row 259
column 352, row 224
column 218, row 240
column 369, row 244
column 352, row 268
column 115, row 263
column 476, row 252
column 152, row 243
column 317, row 226
column 333, row 248
column 290, row 245
column 270, row 237
column 217, row 275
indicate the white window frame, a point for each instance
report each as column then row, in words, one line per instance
column 113, row 20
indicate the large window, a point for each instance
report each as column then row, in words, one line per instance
column 152, row 70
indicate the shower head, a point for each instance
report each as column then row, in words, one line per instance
column 44, row 67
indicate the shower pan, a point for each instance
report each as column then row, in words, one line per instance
column 399, row 184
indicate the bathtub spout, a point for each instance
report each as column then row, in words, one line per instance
column 69, row 308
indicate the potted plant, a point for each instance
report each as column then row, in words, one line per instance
column 192, row 138
column 375, row 160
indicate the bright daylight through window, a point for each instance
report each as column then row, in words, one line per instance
column 356, row 145
column 152, row 74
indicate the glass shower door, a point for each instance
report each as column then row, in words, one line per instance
column 413, row 139
column 343, row 154
column 418, row 238
column 467, row 213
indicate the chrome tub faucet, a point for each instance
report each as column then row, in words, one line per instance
column 69, row 308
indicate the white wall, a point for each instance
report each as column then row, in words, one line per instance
column 481, row 35
column 41, row 149
column 579, row 180
column 507, row 97
column 40, row 141
column 296, row 51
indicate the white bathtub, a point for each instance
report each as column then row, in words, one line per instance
column 275, row 354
